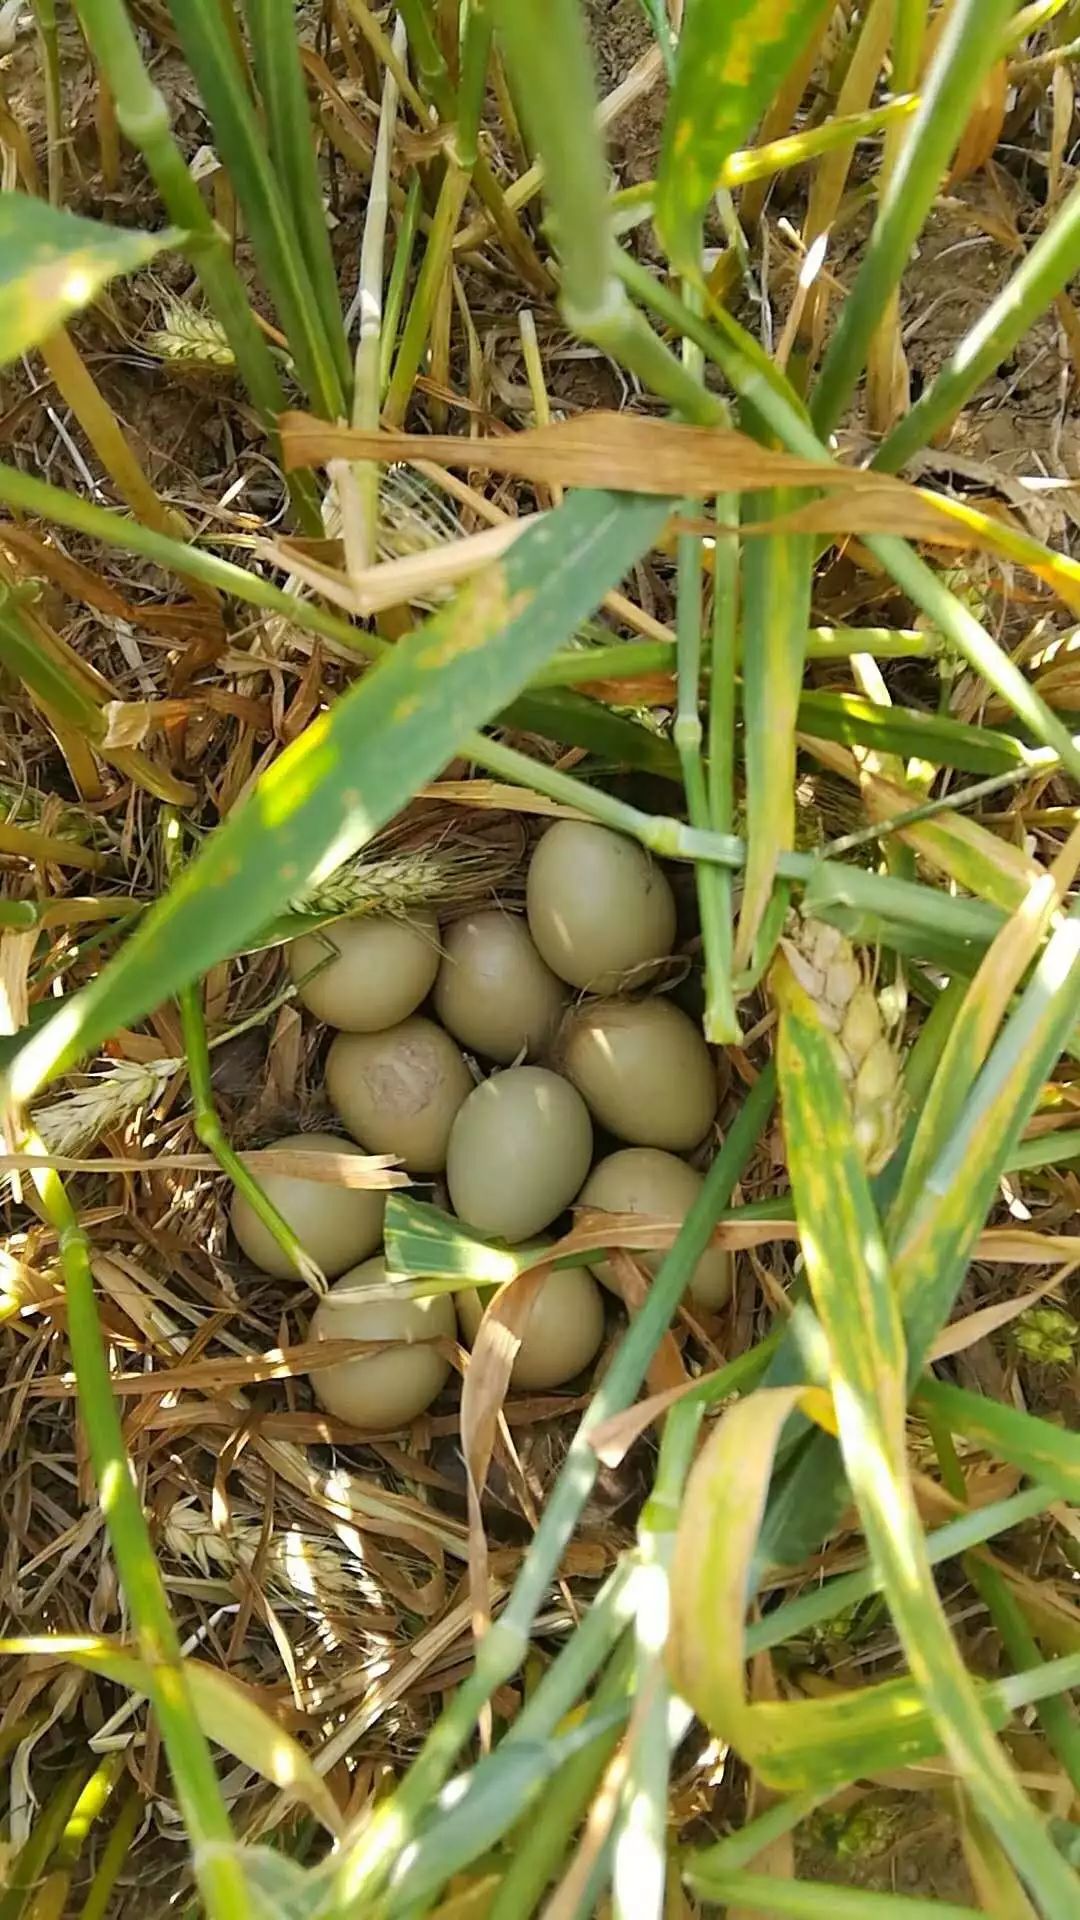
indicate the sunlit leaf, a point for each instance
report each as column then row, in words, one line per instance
column 479, row 1807
column 776, row 611
column 732, row 56
column 792, row 1745
column 228, row 1712
column 575, row 721
column 934, row 1239
column 1043, row 1451
column 422, row 1239
column 53, row 263
column 357, row 765
column 858, row 1305
column 974, row 1026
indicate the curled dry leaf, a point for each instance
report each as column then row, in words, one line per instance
column 487, row 1379
column 621, row 451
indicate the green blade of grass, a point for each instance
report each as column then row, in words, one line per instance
column 639, row 1844
column 954, row 1107
column 28, row 494
column 709, row 793
column 932, row 1241
column 844, row 718
column 1045, row 272
column 429, row 282
column 859, row 1308
column 545, row 43
column 770, row 396
column 57, row 689
column 732, row 56
column 24, row 1871
column 355, row 766
column 228, row 1712
column 797, row 1617
column 1048, row 1150
column 972, row 1032
column 396, row 284
column 431, row 67
column 540, row 1845
column 547, row 51
column 740, row 1849
column 204, row 36
column 832, row 136
column 202, row 1806
column 272, row 25
column 624, row 660
column 1046, row 1452
column 775, row 617
column 805, row 1900
column 793, row 1745
column 613, row 738
column 53, row 263
column 49, row 47
column 66, row 693
column 143, row 116
column 721, row 1018
column 968, row 46
column 1006, row 1609
column 113, row 1858
column 485, row 1802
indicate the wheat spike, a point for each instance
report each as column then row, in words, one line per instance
column 828, row 968
column 188, row 334
column 399, row 883
column 72, row 1124
column 301, row 1570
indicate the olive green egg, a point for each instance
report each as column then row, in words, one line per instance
column 379, row 1391
column 368, row 972
column 643, row 1069
column 598, row 905
column 646, row 1180
column 562, row 1334
column 398, row 1091
column 336, row 1226
column 493, row 992
column 519, row 1150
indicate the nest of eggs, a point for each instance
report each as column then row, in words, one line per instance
column 502, row 1063
column 511, row 1016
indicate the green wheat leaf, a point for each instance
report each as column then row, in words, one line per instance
column 354, row 767
column 53, row 263
column 732, row 56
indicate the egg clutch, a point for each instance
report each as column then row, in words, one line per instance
column 539, row 1005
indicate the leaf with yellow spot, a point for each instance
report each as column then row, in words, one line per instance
column 356, row 766
column 857, row 1295
column 791, row 1744
column 53, row 263
column 733, row 55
